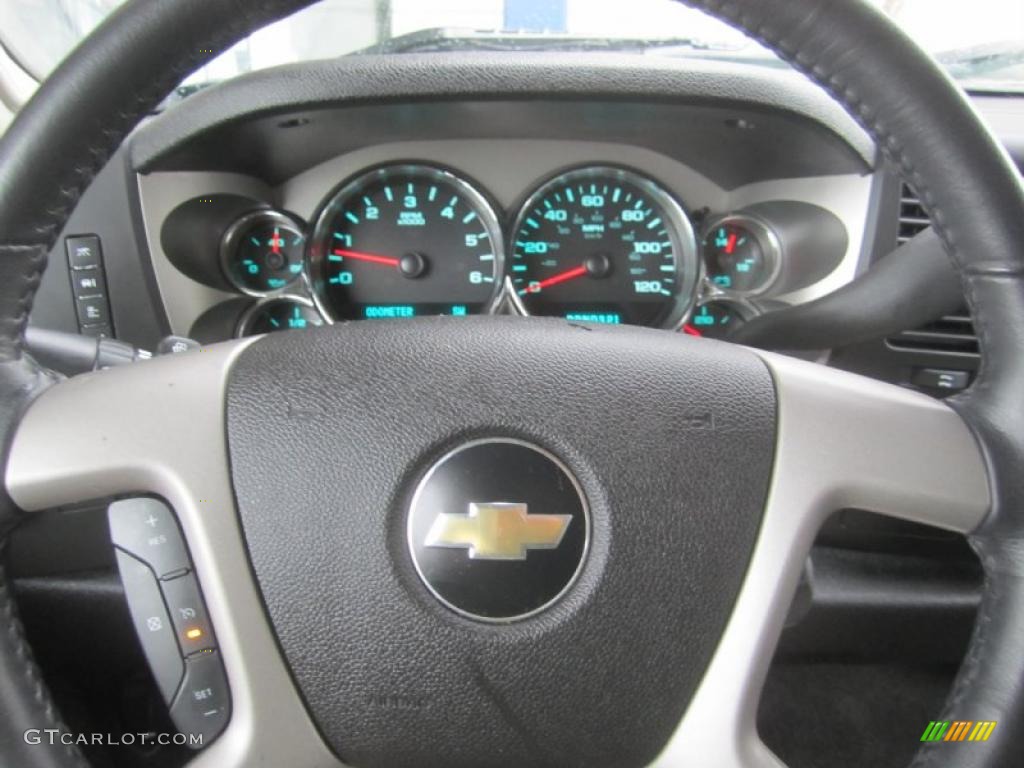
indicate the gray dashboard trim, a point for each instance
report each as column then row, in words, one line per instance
column 477, row 75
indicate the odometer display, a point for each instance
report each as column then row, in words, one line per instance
column 604, row 245
column 405, row 241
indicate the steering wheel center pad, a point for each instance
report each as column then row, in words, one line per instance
column 329, row 435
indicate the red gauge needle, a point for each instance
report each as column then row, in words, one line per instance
column 561, row 277
column 275, row 242
column 689, row 330
column 730, row 246
column 387, row 261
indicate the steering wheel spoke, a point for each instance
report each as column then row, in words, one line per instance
column 844, row 442
column 157, row 428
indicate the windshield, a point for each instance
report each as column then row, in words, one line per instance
column 981, row 42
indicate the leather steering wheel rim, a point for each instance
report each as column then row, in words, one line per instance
column 917, row 116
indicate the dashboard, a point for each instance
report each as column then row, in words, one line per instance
column 683, row 195
column 589, row 234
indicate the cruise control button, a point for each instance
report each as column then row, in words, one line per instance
column 203, row 704
column 152, row 624
column 147, row 529
column 188, row 613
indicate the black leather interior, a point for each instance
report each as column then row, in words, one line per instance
column 916, row 114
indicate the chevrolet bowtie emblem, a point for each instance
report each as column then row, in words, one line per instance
column 497, row 531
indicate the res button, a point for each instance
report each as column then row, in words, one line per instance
column 147, row 529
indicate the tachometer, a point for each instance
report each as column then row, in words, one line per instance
column 405, row 241
column 604, row 245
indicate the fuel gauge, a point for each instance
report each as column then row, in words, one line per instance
column 263, row 252
column 284, row 314
column 741, row 255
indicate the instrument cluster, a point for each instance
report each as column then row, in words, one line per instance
column 598, row 244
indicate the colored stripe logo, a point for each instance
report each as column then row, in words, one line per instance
column 958, row 730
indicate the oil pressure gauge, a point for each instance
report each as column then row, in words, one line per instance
column 263, row 252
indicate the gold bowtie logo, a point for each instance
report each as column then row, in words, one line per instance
column 498, row 531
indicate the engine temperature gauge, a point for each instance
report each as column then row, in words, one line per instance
column 741, row 255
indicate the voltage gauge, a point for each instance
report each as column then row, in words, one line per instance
column 741, row 255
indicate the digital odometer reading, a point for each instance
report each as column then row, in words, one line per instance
column 406, row 241
column 603, row 245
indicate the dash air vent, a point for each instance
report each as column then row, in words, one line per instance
column 913, row 217
column 952, row 334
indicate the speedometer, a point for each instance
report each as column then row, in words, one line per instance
column 604, row 245
column 405, row 241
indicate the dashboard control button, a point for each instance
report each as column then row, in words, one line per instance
column 176, row 345
column 203, row 704
column 93, row 311
column 147, row 529
column 152, row 624
column 941, row 379
column 188, row 614
column 88, row 284
column 100, row 330
column 84, row 252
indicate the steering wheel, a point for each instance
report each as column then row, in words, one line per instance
column 297, row 466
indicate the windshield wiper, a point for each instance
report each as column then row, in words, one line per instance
column 441, row 39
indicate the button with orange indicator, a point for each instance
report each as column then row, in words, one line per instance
column 188, row 614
